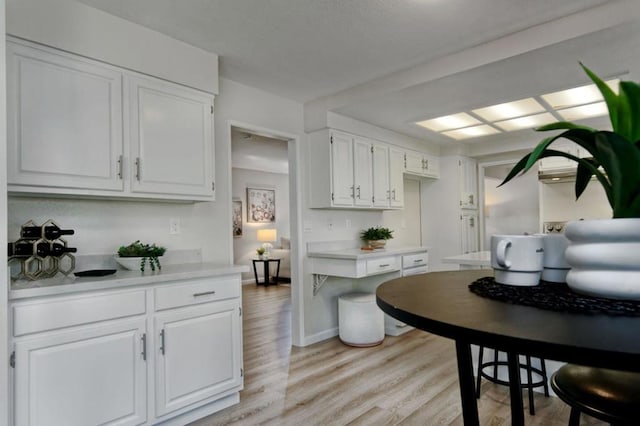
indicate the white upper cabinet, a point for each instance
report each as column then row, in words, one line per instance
column 381, row 189
column 81, row 127
column 396, row 177
column 170, row 138
column 341, row 169
column 64, row 120
column 388, row 183
column 362, row 172
column 421, row 164
column 468, row 180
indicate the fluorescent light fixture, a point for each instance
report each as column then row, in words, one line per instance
column 584, row 111
column 527, row 122
column 471, row 132
column 508, row 110
column 448, row 122
column 578, row 95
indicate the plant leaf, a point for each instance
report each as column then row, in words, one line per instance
column 629, row 111
column 562, row 125
column 620, row 160
column 609, row 96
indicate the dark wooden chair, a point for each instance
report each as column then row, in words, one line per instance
column 530, row 370
column 608, row 395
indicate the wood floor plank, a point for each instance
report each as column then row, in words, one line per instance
column 407, row 380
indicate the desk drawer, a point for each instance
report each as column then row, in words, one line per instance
column 61, row 312
column 382, row 264
column 196, row 291
column 414, row 260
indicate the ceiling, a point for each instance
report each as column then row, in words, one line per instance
column 392, row 62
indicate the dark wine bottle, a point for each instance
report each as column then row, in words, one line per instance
column 51, row 232
column 20, row 249
column 54, row 249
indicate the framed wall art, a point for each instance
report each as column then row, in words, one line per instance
column 237, row 218
column 261, row 205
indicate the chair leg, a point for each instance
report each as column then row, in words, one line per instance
column 543, row 367
column 532, row 409
column 574, row 418
column 479, row 373
column 495, row 364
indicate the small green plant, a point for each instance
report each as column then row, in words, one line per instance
column 260, row 251
column 145, row 251
column 377, row 233
column 615, row 161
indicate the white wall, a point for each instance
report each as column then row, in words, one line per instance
column 244, row 247
column 512, row 208
column 4, row 323
column 559, row 202
column 81, row 29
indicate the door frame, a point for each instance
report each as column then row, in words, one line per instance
column 295, row 213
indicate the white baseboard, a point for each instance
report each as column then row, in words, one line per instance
column 319, row 337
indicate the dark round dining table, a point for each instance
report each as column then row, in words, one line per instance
column 441, row 303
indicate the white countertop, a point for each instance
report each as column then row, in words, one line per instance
column 356, row 253
column 71, row 284
column 478, row 258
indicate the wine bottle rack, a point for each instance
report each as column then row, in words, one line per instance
column 34, row 266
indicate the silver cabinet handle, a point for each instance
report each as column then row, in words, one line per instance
column 162, row 342
column 471, row 199
column 204, row 293
column 138, row 168
column 417, row 261
column 388, row 195
column 120, row 167
column 394, row 194
column 353, row 195
column 358, row 189
column 384, row 265
column 426, row 162
column 144, row 346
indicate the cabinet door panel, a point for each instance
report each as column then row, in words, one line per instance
column 396, row 177
column 468, row 177
column 199, row 354
column 381, row 186
column 414, row 163
column 87, row 377
column 171, row 139
column 342, row 169
column 362, row 173
column 469, row 232
column 64, row 120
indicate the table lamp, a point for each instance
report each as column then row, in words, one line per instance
column 267, row 235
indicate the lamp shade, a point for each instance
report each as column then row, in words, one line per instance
column 267, row 235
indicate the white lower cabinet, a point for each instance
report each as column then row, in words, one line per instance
column 95, row 375
column 198, row 355
column 127, row 357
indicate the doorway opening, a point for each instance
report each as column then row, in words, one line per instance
column 264, row 197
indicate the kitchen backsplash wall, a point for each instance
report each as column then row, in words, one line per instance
column 101, row 226
column 558, row 202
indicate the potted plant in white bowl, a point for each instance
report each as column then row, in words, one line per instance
column 376, row 237
column 604, row 254
column 136, row 255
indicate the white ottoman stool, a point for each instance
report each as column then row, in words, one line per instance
column 360, row 321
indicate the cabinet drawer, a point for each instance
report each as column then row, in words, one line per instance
column 416, row 259
column 382, row 264
column 69, row 311
column 196, row 291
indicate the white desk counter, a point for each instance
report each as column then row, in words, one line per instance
column 473, row 260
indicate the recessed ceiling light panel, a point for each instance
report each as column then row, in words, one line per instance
column 471, row 132
column 508, row 110
column 448, row 122
column 527, row 122
column 578, row 95
column 584, row 111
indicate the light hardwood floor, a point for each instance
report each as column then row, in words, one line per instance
column 408, row 380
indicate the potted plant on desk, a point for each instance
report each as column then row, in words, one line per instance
column 604, row 254
column 376, row 237
column 136, row 255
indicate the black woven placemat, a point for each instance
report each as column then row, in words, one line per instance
column 554, row 297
